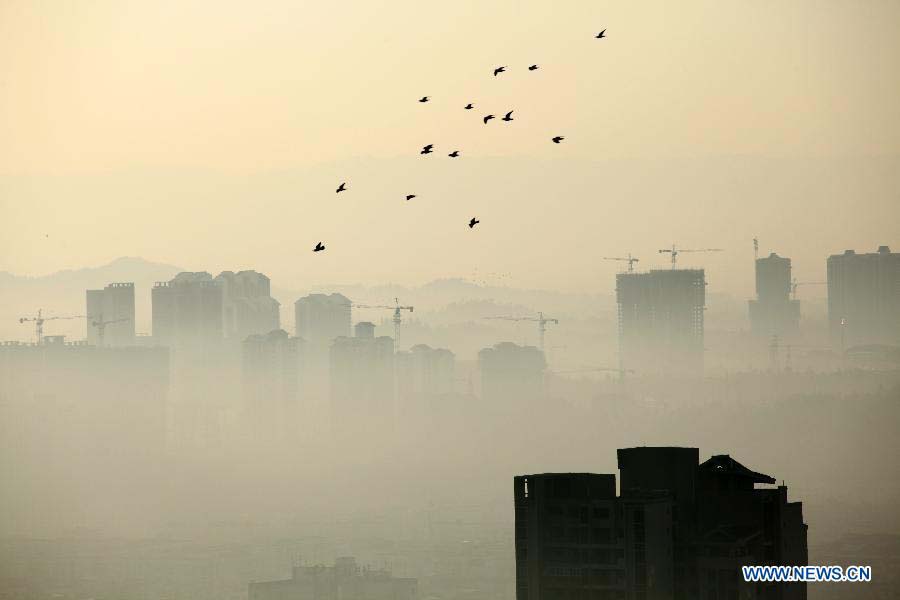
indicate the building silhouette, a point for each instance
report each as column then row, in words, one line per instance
column 271, row 371
column 362, row 380
column 864, row 298
column 320, row 318
column 678, row 530
column 425, row 377
column 511, row 375
column 247, row 304
column 187, row 311
column 112, row 311
column 773, row 312
column 343, row 581
column 661, row 321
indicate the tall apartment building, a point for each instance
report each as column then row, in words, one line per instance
column 773, row 312
column 320, row 318
column 110, row 315
column 362, row 380
column 425, row 376
column 678, row 530
column 247, row 305
column 661, row 321
column 271, row 371
column 511, row 376
column 864, row 298
column 187, row 311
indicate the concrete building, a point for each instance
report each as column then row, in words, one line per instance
column 864, row 298
column 362, row 379
column 247, row 305
column 271, row 371
column 187, row 311
column 343, row 581
column 678, row 529
column 425, row 377
column 320, row 318
column 661, row 321
column 511, row 376
column 110, row 315
column 773, row 312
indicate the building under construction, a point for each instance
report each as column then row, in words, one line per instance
column 773, row 312
column 661, row 321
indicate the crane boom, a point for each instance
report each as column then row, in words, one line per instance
column 396, row 319
column 39, row 321
column 540, row 320
column 674, row 251
column 629, row 259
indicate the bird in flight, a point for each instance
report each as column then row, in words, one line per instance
column 427, row 149
column 319, row 247
column 423, row 99
column 454, row 154
column 469, row 106
column 499, row 70
column 410, row 196
column 488, row 118
column 533, row 68
column 341, row 188
column 558, row 139
column 508, row 116
column 473, row 222
column 602, row 34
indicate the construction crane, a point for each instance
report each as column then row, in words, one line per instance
column 795, row 284
column 39, row 320
column 396, row 308
column 630, row 260
column 756, row 248
column 101, row 327
column 540, row 320
column 676, row 251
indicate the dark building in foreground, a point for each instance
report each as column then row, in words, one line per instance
column 864, row 298
column 661, row 321
column 773, row 312
column 678, row 530
column 344, row 581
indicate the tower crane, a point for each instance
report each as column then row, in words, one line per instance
column 756, row 248
column 39, row 320
column 101, row 327
column 629, row 259
column 540, row 320
column 795, row 284
column 396, row 308
column 676, row 251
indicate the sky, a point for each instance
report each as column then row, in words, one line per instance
column 212, row 134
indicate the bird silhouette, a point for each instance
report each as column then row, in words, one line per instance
column 533, row 68
column 341, row 188
column 427, row 149
column 454, row 154
column 488, row 118
column 469, row 106
column 319, row 247
column 423, row 99
column 499, row 70
column 508, row 116
column 410, row 196
column 602, row 34
column 558, row 139
column 473, row 222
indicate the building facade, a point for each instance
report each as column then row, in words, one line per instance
column 187, row 311
column 774, row 312
column 247, row 305
column 679, row 529
column 512, row 376
column 661, row 321
column 271, row 371
column 110, row 315
column 864, row 298
column 343, row 581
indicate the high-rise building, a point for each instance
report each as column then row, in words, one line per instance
column 425, row 377
column 344, row 581
column 247, row 305
column 661, row 321
column 864, row 298
column 773, row 312
column 320, row 318
column 187, row 311
column 511, row 375
column 678, row 530
column 110, row 315
column 270, row 374
column 362, row 380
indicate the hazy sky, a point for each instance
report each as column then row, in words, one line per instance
column 211, row 134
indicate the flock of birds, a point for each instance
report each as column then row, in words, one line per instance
column 429, row 148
